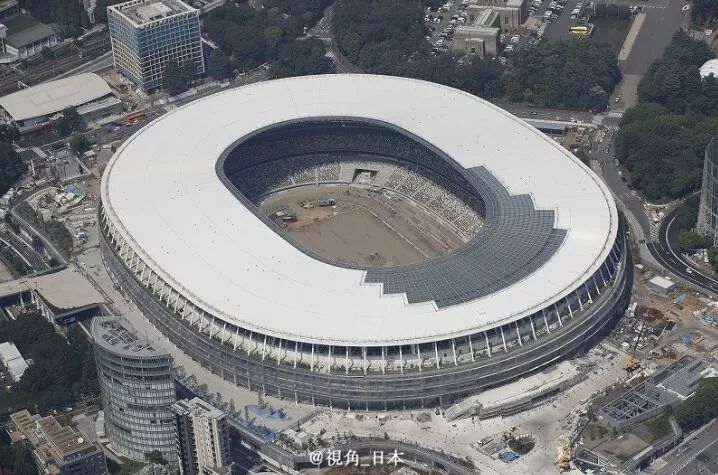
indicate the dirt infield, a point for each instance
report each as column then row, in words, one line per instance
column 363, row 227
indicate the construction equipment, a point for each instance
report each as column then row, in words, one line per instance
column 633, row 363
column 564, row 457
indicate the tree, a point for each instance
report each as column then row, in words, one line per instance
column 700, row 408
column 79, row 143
column 11, row 167
column 703, row 11
column 174, row 78
column 155, row 457
column 9, row 133
column 101, row 9
column 301, row 58
column 85, row 20
column 219, row 66
column 69, row 122
column 693, row 240
column 674, row 82
column 47, row 53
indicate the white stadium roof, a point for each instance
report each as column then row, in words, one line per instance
column 54, row 96
column 162, row 192
column 709, row 67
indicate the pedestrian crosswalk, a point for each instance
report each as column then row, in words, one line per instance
column 612, row 128
column 615, row 114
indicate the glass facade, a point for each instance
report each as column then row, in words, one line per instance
column 137, row 393
column 141, row 50
column 708, row 210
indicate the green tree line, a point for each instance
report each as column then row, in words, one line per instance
column 662, row 140
column 700, row 408
column 62, row 371
column 388, row 37
column 249, row 37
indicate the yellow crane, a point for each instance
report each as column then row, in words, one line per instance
column 633, row 363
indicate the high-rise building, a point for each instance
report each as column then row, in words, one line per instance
column 202, row 438
column 58, row 450
column 147, row 34
column 708, row 209
column 137, row 390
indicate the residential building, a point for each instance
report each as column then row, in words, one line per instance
column 58, row 450
column 202, row 438
column 147, row 34
column 708, row 208
column 137, row 390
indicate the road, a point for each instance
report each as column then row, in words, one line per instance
column 613, row 176
column 25, row 251
column 672, row 260
column 529, row 112
column 685, row 460
column 663, row 19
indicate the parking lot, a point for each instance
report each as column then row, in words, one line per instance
column 443, row 21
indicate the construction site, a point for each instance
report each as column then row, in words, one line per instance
column 360, row 226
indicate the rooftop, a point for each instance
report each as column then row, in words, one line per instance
column 9, row 352
column 143, row 12
column 119, row 336
column 662, row 282
column 198, row 407
column 52, row 97
column 52, row 442
column 269, row 286
column 710, row 67
column 23, row 30
column 63, row 290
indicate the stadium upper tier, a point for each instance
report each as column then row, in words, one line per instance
column 169, row 204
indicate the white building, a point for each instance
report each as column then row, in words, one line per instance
column 13, row 360
column 202, row 438
column 661, row 285
column 35, row 107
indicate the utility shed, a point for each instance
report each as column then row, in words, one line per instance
column 661, row 286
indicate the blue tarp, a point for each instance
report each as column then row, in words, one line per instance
column 508, row 456
column 680, row 298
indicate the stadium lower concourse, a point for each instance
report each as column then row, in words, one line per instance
column 203, row 227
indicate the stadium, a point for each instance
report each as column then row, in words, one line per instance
column 362, row 241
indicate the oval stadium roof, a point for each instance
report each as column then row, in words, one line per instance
column 162, row 192
column 53, row 96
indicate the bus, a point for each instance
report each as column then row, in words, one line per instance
column 136, row 116
column 579, row 30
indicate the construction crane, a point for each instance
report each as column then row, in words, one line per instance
column 633, row 363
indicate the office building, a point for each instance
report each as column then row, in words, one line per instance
column 708, row 209
column 57, row 450
column 202, row 439
column 137, row 390
column 512, row 13
column 147, row 34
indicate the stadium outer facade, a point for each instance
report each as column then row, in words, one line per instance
column 546, row 275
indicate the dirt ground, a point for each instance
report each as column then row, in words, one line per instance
column 5, row 273
column 364, row 227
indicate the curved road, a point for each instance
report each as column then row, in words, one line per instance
column 676, row 263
